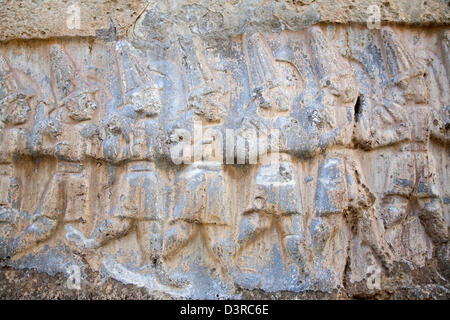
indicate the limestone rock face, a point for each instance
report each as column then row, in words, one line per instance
column 220, row 149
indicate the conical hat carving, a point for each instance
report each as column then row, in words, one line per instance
column 333, row 72
column 63, row 71
column 326, row 58
column 197, row 71
column 262, row 64
column 205, row 93
column 5, row 79
column 9, row 86
column 14, row 106
column 446, row 50
column 71, row 88
column 133, row 73
column 400, row 64
column 138, row 84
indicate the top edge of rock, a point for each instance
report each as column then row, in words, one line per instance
column 170, row 20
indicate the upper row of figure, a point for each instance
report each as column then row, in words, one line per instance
column 311, row 94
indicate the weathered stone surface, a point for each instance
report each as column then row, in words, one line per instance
column 41, row 19
column 225, row 150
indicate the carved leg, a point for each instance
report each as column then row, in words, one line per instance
column 150, row 233
column 177, row 235
column 40, row 230
column 76, row 189
column 53, row 201
column 291, row 232
column 331, row 194
column 110, row 229
column 371, row 234
column 428, row 195
column 106, row 231
column 10, row 221
column 394, row 210
column 218, row 239
column 46, row 219
column 251, row 226
column 431, row 216
column 10, row 191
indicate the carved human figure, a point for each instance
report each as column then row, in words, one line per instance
column 442, row 116
column 57, row 133
column 402, row 119
column 15, row 110
column 341, row 187
column 134, row 138
column 276, row 197
column 200, row 200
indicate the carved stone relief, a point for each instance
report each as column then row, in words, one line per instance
column 298, row 161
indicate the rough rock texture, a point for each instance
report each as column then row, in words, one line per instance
column 232, row 149
column 41, row 19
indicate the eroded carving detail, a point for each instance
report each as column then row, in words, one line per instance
column 292, row 162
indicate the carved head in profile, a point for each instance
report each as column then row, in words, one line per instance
column 16, row 109
column 209, row 102
column 146, row 101
column 406, row 73
column 272, row 96
column 72, row 89
column 14, row 100
column 342, row 86
column 335, row 75
column 414, row 87
column 81, row 104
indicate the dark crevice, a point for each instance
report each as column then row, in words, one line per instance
column 357, row 108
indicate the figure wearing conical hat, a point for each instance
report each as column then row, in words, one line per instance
column 206, row 93
column 341, row 199
column 267, row 83
column 14, row 99
column 134, row 137
column 140, row 86
column 200, row 201
column 15, row 111
column 380, row 121
column 334, row 73
column 294, row 51
column 397, row 115
column 276, row 197
column 406, row 74
column 338, row 94
column 57, row 133
column 445, row 42
column 440, row 70
column 72, row 91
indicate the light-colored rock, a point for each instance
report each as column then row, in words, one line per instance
column 198, row 150
column 42, row 19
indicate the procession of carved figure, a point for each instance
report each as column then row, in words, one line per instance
column 356, row 129
column 320, row 119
